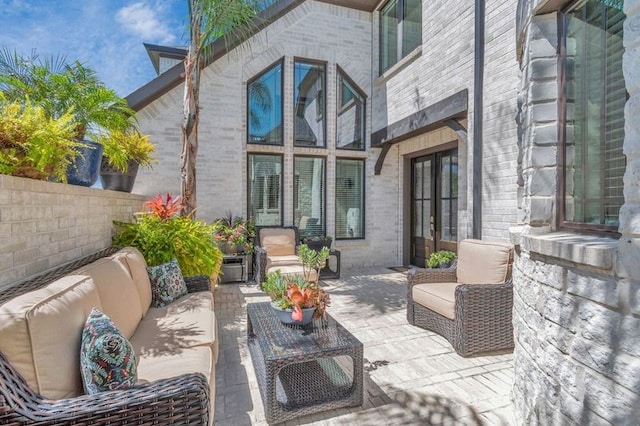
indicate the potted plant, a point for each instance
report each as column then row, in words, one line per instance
column 298, row 299
column 34, row 145
column 59, row 87
column 441, row 259
column 161, row 235
column 318, row 242
column 234, row 234
column 124, row 152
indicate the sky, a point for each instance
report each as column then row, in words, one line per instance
column 106, row 35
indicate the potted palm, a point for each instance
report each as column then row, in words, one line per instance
column 59, row 87
column 124, row 153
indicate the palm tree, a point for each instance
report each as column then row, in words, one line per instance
column 208, row 20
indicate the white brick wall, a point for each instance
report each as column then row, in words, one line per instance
column 44, row 224
column 441, row 67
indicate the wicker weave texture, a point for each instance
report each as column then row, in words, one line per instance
column 303, row 370
column 261, row 254
column 176, row 401
column 483, row 313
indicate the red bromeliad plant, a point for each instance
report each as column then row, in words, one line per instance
column 164, row 209
column 295, row 293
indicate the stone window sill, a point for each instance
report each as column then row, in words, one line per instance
column 412, row 56
column 595, row 251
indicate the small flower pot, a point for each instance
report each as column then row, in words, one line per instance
column 116, row 180
column 284, row 315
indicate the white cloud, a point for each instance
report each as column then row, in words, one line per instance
column 142, row 20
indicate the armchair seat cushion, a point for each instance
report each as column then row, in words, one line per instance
column 439, row 297
column 291, row 259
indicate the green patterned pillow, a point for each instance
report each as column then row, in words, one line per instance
column 167, row 283
column 107, row 359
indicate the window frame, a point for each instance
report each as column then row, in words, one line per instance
column 256, row 77
column 324, row 64
column 562, row 222
column 324, row 196
column 401, row 5
column 364, row 198
column 282, row 206
column 341, row 73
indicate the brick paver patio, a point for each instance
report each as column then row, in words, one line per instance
column 412, row 376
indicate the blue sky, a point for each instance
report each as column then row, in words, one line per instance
column 106, row 35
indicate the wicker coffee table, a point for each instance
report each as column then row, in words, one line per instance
column 303, row 370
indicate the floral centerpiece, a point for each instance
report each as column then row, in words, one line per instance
column 299, row 298
column 234, row 234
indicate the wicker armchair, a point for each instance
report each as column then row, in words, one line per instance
column 470, row 304
column 290, row 234
column 178, row 400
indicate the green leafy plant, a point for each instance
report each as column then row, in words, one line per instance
column 235, row 231
column 59, row 87
column 121, row 147
column 441, row 258
column 161, row 237
column 313, row 260
column 34, row 145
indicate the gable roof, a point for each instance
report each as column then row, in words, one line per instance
column 174, row 76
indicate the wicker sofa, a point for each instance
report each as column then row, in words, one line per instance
column 470, row 303
column 41, row 322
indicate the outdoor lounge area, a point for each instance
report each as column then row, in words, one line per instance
column 411, row 376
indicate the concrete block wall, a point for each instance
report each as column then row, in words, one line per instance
column 576, row 297
column 44, row 224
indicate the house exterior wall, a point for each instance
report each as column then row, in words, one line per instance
column 576, row 297
column 348, row 38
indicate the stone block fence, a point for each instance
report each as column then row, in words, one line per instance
column 45, row 224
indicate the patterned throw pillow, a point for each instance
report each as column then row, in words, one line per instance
column 107, row 360
column 167, row 283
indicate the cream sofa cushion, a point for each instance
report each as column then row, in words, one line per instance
column 278, row 241
column 484, row 262
column 157, row 366
column 40, row 334
column 118, row 293
column 439, row 297
column 134, row 260
column 185, row 323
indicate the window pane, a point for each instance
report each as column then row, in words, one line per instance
column 351, row 110
column 349, row 198
column 265, row 181
column 388, row 35
column 309, row 104
column 594, row 162
column 264, row 110
column 411, row 26
column 309, row 184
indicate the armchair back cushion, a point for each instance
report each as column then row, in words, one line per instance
column 484, row 262
column 40, row 334
column 278, row 241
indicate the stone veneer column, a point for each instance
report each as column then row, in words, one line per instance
column 576, row 297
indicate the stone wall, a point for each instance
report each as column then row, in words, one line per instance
column 576, row 297
column 44, row 224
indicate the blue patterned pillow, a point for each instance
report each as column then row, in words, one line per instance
column 167, row 283
column 107, row 360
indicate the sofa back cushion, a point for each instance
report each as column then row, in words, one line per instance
column 134, row 260
column 278, row 241
column 118, row 293
column 484, row 262
column 40, row 334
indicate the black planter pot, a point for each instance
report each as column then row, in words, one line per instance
column 318, row 245
column 116, row 180
column 84, row 170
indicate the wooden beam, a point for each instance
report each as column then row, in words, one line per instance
column 427, row 119
column 457, row 127
column 381, row 157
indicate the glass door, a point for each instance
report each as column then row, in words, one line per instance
column 434, row 205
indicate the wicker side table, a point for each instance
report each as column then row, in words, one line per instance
column 301, row 371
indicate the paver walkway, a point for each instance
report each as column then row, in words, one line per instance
column 412, row 376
